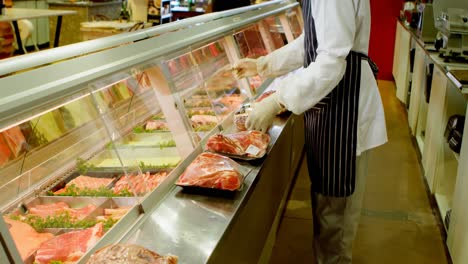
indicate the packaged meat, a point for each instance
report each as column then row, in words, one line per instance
column 69, row 247
column 26, row 239
column 86, row 182
column 15, row 140
column 139, row 184
column 129, row 254
column 252, row 144
column 210, row 170
column 5, row 152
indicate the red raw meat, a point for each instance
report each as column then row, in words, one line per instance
column 44, row 210
column 70, row 246
column 83, row 182
column 139, row 184
column 223, row 144
column 204, row 119
column 5, row 152
column 27, row 240
column 81, row 213
column 213, row 50
column 211, row 170
column 15, row 139
column 156, row 125
column 238, row 143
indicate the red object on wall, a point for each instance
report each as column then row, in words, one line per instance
column 382, row 39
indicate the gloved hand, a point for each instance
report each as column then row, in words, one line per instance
column 263, row 113
column 245, row 68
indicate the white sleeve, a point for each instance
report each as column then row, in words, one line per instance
column 283, row 60
column 335, row 31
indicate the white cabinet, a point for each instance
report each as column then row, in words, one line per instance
column 417, row 89
column 401, row 63
column 446, row 166
column 457, row 239
column 434, row 128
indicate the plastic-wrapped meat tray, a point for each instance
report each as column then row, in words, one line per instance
column 245, row 145
column 212, row 174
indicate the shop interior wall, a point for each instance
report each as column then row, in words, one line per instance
column 382, row 39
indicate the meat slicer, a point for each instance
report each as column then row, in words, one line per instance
column 451, row 20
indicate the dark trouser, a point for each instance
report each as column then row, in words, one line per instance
column 336, row 219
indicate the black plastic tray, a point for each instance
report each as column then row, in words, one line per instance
column 189, row 189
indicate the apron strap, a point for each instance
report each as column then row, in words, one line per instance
column 372, row 64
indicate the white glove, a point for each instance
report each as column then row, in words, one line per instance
column 245, row 68
column 263, row 113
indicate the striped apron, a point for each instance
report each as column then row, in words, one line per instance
column 331, row 125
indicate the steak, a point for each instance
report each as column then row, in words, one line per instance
column 139, row 184
column 69, row 247
column 86, row 182
column 129, row 254
column 210, row 170
column 27, row 240
column 15, row 139
column 249, row 143
column 44, row 210
column 5, row 152
column 156, row 125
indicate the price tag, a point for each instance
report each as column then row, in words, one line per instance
column 252, row 150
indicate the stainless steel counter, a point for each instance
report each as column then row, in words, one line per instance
column 207, row 229
column 433, row 55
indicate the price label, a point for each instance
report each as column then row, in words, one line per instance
column 252, row 150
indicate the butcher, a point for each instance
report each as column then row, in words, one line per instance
column 337, row 92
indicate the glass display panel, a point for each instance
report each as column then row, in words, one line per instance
column 84, row 165
column 47, row 190
column 293, row 20
column 250, row 44
column 143, row 150
column 204, row 88
column 278, row 36
column 218, row 96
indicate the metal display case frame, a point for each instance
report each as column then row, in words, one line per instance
column 51, row 79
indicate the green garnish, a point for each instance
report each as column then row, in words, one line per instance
column 148, row 167
column 61, row 220
column 167, row 144
column 102, row 191
column 200, row 112
column 141, row 129
column 83, row 167
column 204, row 128
column 159, row 116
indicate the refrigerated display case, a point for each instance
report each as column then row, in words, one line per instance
column 92, row 146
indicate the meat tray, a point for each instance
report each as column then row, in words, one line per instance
column 104, row 203
column 209, row 191
column 198, row 176
column 95, row 174
column 152, row 140
column 152, row 159
column 73, row 202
